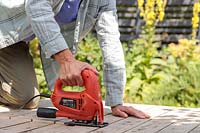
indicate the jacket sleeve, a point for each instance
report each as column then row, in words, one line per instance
column 41, row 16
column 113, row 57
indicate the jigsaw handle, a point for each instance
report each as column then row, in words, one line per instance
column 91, row 84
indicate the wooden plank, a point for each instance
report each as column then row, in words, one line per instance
column 131, row 122
column 15, row 113
column 127, row 9
column 184, row 120
column 175, row 23
column 180, row 127
column 123, row 125
column 165, row 120
column 195, row 130
column 25, row 126
column 126, row 22
column 127, row 2
column 179, row 9
column 59, row 126
column 127, row 37
column 126, row 30
column 180, row 2
column 126, row 15
column 166, row 23
column 181, row 114
column 53, row 128
column 173, row 30
column 151, row 126
column 178, row 16
column 7, row 122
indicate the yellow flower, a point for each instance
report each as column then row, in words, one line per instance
column 195, row 18
column 161, row 16
column 152, row 10
column 141, row 8
column 149, row 23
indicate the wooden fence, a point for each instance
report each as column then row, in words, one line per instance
column 177, row 23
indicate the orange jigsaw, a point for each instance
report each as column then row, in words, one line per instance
column 85, row 108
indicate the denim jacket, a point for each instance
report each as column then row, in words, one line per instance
column 21, row 18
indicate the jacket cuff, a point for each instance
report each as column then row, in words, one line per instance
column 54, row 47
column 113, row 99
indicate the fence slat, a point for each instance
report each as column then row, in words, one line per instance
column 127, row 2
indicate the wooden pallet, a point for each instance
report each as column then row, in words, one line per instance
column 163, row 120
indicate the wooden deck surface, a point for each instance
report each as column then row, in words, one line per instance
column 163, row 120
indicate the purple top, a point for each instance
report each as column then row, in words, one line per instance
column 68, row 11
column 67, row 14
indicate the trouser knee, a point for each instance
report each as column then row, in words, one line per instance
column 12, row 98
column 17, row 76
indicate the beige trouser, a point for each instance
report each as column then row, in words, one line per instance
column 18, row 81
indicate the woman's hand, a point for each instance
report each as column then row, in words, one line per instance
column 70, row 68
column 125, row 111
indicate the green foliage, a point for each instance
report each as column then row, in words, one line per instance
column 144, row 66
column 180, row 87
column 34, row 50
column 169, row 76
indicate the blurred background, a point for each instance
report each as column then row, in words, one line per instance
column 161, row 42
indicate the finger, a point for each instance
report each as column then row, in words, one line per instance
column 61, row 77
column 87, row 66
column 69, row 80
column 142, row 113
column 65, row 83
column 73, row 82
column 79, row 81
column 94, row 70
column 134, row 112
column 119, row 113
column 147, row 116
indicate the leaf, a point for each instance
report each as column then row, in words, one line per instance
column 157, row 61
column 135, row 83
